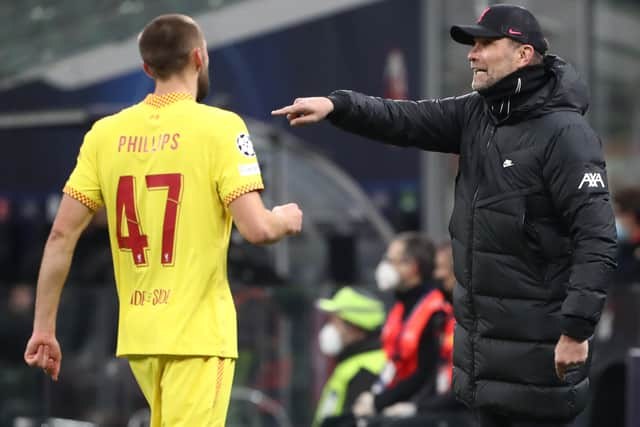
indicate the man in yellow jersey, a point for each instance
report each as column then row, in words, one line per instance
column 172, row 175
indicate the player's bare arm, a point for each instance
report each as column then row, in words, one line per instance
column 43, row 350
column 305, row 111
column 261, row 226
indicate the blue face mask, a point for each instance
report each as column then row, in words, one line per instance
column 621, row 231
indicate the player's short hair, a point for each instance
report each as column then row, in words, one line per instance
column 166, row 43
column 420, row 248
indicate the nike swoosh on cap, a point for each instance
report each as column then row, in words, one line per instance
column 514, row 32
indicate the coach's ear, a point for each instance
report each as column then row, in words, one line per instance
column 147, row 70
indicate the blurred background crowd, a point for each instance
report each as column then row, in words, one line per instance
column 63, row 64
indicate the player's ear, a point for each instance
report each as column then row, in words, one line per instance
column 198, row 58
column 147, row 70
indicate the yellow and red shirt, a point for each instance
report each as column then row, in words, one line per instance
column 166, row 170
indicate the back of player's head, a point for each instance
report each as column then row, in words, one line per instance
column 166, row 44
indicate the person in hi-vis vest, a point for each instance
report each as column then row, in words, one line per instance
column 417, row 336
column 352, row 336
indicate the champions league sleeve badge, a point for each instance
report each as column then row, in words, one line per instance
column 243, row 142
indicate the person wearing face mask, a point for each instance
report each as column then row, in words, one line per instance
column 352, row 337
column 417, row 336
column 532, row 227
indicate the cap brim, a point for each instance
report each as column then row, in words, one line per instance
column 466, row 34
column 327, row 305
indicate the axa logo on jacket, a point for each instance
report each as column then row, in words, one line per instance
column 594, row 180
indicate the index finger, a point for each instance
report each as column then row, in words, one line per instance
column 283, row 111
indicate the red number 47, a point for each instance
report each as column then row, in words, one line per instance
column 135, row 241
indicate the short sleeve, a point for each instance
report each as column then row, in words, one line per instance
column 238, row 164
column 83, row 184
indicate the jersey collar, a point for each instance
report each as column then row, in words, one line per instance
column 159, row 101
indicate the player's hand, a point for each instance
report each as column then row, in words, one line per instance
column 569, row 354
column 43, row 351
column 305, row 111
column 291, row 215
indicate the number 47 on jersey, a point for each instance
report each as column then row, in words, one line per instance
column 135, row 241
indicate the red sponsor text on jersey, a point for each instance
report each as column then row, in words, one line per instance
column 148, row 144
column 153, row 297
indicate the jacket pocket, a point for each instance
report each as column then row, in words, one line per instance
column 500, row 222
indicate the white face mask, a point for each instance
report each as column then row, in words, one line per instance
column 329, row 340
column 387, row 277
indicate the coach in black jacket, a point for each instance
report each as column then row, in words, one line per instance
column 532, row 227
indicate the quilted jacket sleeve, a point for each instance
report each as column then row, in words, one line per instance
column 434, row 124
column 575, row 175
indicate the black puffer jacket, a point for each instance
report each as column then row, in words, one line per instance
column 532, row 229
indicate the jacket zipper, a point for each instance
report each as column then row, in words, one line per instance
column 470, row 261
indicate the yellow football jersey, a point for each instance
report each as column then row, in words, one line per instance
column 166, row 170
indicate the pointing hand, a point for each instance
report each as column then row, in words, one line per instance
column 305, row 111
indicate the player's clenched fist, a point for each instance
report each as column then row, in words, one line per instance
column 292, row 216
column 43, row 351
column 304, row 111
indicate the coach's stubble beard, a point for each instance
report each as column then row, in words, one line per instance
column 203, row 85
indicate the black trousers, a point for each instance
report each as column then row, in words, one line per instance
column 490, row 419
